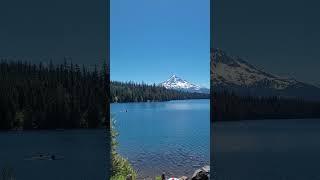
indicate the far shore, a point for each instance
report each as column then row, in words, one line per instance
column 158, row 101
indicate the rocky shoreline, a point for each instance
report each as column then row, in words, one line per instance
column 199, row 174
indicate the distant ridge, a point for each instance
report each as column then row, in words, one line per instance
column 135, row 92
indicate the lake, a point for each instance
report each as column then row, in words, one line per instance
column 82, row 153
column 266, row 149
column 171, row 137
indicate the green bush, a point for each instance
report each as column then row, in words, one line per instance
column 121, row 167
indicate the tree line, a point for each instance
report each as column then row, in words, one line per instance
column 228, row 106
column 67, row 95
column 141, row 92
column 48, row 96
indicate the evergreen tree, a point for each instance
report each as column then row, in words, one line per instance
column 51, row 96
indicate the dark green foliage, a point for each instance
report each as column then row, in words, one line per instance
column 229, row 107
column 51, row 96
column 120, row 166
column 135, row 92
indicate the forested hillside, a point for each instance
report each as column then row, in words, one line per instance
column 51, row 96
column 228, row 106
column 135, row 92
column 64, row 96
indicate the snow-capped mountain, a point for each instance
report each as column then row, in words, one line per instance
column 234, row 73
column 175, row 82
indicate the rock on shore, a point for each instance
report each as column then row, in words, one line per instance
column 199, row 174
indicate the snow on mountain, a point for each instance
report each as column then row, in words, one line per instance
column 175, row 82
column 233, row 72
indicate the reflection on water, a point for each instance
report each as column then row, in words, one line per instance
column 268, row 149
column 171, row 137
column 184, row 105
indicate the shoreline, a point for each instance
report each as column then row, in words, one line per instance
column 186, row 175
column 263, row 119
column 130, row 102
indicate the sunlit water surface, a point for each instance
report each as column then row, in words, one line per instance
column 170, row 137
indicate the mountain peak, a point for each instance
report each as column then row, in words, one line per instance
column 232, row 70
column 235, row 73
column 174, row 77
column 175, row 82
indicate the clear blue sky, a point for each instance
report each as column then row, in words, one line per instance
column 153, row 39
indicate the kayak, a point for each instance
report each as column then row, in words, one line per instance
column 45, row 157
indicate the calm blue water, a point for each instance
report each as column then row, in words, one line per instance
column 171, row 137
column 268, row 149
column 83, row 151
